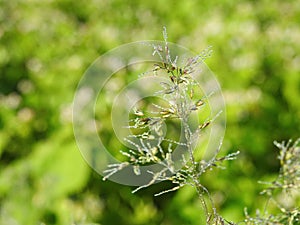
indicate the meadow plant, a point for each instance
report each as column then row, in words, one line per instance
column 182, row 98
column 284, row 191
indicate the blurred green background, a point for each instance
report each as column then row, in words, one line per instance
column 45, row 47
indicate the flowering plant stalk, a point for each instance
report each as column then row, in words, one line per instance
column 149, row 144
column 181, row 96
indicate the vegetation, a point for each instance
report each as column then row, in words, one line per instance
column 45, row 47
column 148, row 135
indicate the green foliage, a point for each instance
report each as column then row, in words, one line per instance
column 45, row 46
